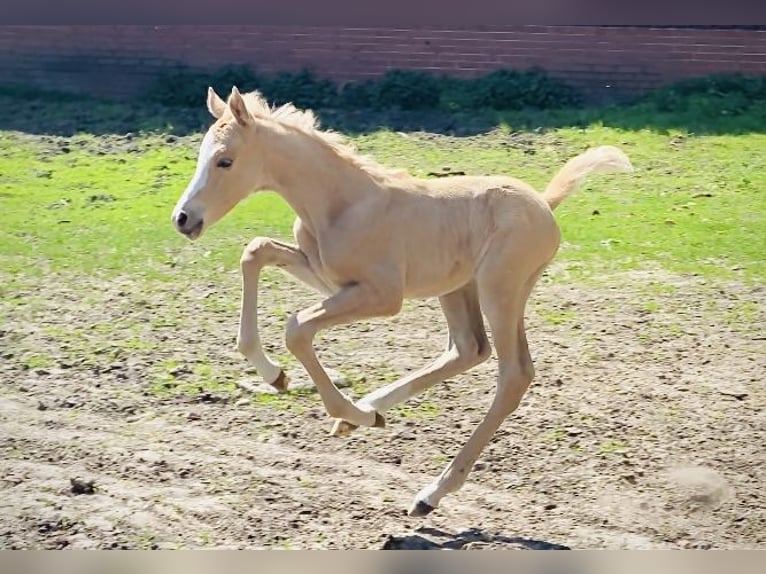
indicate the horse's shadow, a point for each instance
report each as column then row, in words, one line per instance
column 426, row 538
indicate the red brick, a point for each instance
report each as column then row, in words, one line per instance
column 124, row 57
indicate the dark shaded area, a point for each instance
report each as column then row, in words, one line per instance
column 80, row 486
column 426, row 538
column 703, row 106
column 397, row 89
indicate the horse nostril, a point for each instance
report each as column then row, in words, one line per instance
column 181, row 219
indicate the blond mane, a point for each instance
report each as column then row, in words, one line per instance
column 306, row 122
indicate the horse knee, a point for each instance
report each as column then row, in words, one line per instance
column 483, row 350
column 389, row 306
column 245, row 346
column 473, row 351
column 511, row 388
column 527, row 368
column 297, row 335
column 254, row 254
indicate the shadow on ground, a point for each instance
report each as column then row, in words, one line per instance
column 66, row 115
column 426, row 538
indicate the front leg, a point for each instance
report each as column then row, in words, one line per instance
column 260, row 253
column 352, row 303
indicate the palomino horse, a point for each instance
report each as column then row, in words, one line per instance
column 369, row 237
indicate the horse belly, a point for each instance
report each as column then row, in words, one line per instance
column 435, row 278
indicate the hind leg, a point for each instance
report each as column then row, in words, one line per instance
column 377, row 297
column 467, row 347
column 503, row 301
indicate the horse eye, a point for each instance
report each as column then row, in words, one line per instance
column 224, row 163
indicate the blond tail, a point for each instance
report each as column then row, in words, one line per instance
column 600, row 159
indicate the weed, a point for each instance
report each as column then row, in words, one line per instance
column 421, row 410
column 612, row 446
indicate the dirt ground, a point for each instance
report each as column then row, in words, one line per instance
column 645, row 426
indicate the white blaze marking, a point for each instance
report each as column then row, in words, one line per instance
column 199, row 179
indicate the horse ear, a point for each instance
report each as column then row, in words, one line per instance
column 238, row 108
column 215, row 105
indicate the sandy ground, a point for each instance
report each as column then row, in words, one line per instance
column 645, row 426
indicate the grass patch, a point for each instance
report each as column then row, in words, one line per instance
column 557, row 316
column 174, row 378
column 92, row 204
column 742, row 312
column 554, row 435
column 37, row 361
column 417, row 411
column 612, row 447
column 650, row 306
column 290, row 401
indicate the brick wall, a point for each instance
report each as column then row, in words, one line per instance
column 603, row 61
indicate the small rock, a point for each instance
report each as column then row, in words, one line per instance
column 403, row 435
column 211, row 398
column 180, row 370
column 477, row 545
column 260, row 388
column 79, row 486
column 408, row 543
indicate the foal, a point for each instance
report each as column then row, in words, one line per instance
column 369, row 237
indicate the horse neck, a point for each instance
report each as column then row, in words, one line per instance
column 316, row 182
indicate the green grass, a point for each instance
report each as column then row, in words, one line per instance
column 291, row 401
column 612, row 446
column 37, row 361
column 694, row 205
column 557, row 316
column 417, row 411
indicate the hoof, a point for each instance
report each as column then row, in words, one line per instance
column 420, row 509
column 342, row 428
column 281, row 382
